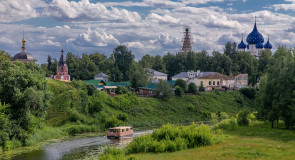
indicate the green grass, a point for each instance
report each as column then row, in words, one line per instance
column 257, row 141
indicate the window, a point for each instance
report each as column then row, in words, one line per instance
column 201, row 82
column 209, row 82
column 213, row 83
column 218, row 83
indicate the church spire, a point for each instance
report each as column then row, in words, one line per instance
column 24, row 43
column 187, row 44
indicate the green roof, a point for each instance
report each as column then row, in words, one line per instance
column 93, row 82
column 123, row 84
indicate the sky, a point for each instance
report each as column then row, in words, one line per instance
column 152, row 27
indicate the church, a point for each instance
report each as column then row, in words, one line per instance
column 24, row 56
column 62, row 69
column 255, row 42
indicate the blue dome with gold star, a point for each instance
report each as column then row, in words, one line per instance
column 268, row 45
column 259, row 45
column 254, row 37
column 242, row 45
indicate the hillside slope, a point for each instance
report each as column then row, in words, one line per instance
column 70, row 104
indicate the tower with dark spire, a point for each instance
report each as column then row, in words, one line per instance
column 187, row 43
column 62, row 69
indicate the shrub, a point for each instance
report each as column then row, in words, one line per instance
column 112, row 153
column 223, row 115
column 248, row 92
column 192, row 88
column 181, row 83
column 122, row 117
column 179, row 91
column 243, row 118
column 121, row 90
column 227, row 124
column 201, row 88
column 170, row 138
column 112, row 122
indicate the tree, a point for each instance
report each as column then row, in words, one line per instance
column 4, row 56
column 179, row 91
column 158, row 64
column 123, row 59
column 181, row 83
column 146, row 61
column 163, row 90
column 192, row 88
column 24, row 88
column 137, row 76
column 221, row 63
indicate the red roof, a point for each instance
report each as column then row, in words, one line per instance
column 215, row 75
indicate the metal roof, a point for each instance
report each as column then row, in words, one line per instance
column 101, row 75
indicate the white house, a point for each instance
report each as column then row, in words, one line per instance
column 155, row 76
column 102, row 76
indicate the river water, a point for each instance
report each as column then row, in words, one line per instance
column 75, row 148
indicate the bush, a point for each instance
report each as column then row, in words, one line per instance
column 112, row 122
column 181, row 83
column 248, row 92
column 179, row 91
column 227, row 124
column 192, row 88
column 112, row 153
column 243, row 118
column 171, row 138
column 122, row 117
column 201, row 88
column 121, row 90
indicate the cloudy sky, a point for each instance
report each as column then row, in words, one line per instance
column 144, row 26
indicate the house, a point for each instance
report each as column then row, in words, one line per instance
column 148, row 90
column 191, row 76
column 102, row 76
column 211, row 81
column 155, row 76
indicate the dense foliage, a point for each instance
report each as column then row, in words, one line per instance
column 276, row 89
column 171, row 138
column 24, row 89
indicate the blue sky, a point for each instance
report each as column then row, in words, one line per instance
column 144, row 26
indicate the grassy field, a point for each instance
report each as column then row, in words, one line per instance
column 257, row 141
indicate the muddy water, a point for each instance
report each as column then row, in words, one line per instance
column 75, row 148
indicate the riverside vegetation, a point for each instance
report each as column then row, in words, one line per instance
column 237, row 138
column 34, row 109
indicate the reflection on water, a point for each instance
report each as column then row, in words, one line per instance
column 75, row 148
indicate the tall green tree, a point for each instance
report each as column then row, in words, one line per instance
column 158, row 64
column 123, row 59
column 137, row 76
column 163, row 90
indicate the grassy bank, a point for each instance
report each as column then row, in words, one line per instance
column 257, row 141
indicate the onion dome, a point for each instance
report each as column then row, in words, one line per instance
column 259, row 45
column 254, row 37
column 242, row 45
column 23, row 55
column 268, row 45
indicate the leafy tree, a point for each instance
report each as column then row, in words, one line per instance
column 24, row 88
column 158, row 64
column 221, row 63
column 179, row 91
column 181, row 83
column 121, row 90
column 192, row 88
column 163, row 90
column 4, row 56
column 116, row 76
column 137, row 76
column 147, row 61
column 123, row 59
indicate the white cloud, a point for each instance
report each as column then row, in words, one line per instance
column 92, row 38
column 155, row 18
column 17, row 10
column 83, row 11
column 134, row 45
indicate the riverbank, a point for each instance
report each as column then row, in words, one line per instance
column 257, row 141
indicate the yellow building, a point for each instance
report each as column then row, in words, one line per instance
column 211, row 81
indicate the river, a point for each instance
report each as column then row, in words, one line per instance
column 75, row 148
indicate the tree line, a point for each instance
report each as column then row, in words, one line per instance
column 117, row 65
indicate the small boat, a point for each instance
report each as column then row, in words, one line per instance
column 118, row 132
